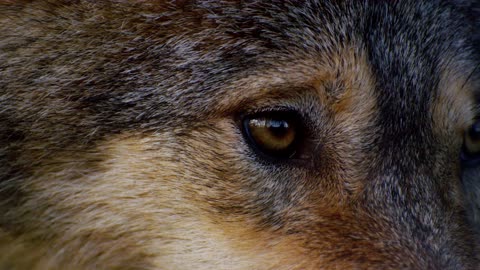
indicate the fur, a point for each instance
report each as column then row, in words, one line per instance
column 120, row 143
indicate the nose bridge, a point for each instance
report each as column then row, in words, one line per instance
column 404, row 191
column 429, row 233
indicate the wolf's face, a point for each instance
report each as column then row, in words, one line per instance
column 238, row 135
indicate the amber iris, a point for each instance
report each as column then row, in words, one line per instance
column 273, row 134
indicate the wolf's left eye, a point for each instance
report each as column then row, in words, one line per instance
column 273, row 134
column 471, row 143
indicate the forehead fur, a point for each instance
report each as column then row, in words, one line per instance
column 171, row 51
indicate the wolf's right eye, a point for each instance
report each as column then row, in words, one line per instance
column 471, row 144
column 274, row 134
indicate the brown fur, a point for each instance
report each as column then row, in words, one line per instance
column 121, row 145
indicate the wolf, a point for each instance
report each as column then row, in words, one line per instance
column 239, row 134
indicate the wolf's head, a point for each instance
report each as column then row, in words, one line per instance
column 238, row 134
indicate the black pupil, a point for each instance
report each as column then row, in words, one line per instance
column 278, row 128
column 474, row 131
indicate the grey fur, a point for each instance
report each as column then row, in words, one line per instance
column 75, row 73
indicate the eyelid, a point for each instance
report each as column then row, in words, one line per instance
column 266, row 110
column 261, row 97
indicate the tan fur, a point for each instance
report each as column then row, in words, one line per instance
column 154, row 200
column 123, row 147
column 454, row 108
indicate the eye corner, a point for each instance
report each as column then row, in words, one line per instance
column 470, row 152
